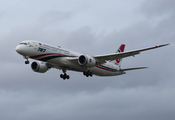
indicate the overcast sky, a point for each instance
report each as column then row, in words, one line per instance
column 91, row 27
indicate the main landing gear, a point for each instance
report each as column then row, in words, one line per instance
column 87, row 74
column 64, row 76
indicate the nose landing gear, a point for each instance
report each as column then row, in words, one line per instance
column 27, row 61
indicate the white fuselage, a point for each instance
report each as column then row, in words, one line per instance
column 59, row 57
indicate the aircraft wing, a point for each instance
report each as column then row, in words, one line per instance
column 103, row 58
column 133, row 68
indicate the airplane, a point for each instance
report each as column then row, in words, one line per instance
column 50, row 56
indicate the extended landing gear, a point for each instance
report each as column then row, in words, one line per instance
column 27, row 61
column 88, row 73
column 64, row 76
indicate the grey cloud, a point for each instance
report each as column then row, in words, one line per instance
column 118, row 104
column 2, row 14
column 54, row 17
column 158, row 7
column 83, row 38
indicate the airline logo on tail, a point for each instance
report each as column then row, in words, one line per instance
column 121, row 49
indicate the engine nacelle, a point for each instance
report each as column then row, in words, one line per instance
column 39, row 67
column 87, row 61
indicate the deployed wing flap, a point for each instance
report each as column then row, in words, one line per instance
column 115, row 56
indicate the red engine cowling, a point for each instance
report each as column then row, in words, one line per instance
column 39, row 67
column 87, row 61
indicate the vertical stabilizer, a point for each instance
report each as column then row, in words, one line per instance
column 118, row 61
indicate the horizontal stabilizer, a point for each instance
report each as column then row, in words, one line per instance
column 133, row 68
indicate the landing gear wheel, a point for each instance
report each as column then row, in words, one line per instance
column 27, row 62
column 27, row 59
column 87, row 74
column 61, row 76
column 65, row 76
column 91, row 75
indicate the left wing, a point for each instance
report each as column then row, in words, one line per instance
column 102, row 58
column 133, row 68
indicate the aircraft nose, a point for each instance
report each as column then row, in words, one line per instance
column 18, row 49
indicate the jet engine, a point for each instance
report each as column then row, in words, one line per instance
column 85, row 60
column 39, row 67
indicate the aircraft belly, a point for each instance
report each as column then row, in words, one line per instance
column 102, row 72
column 66, row 64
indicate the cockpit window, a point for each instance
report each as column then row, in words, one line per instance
column 23, row 43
